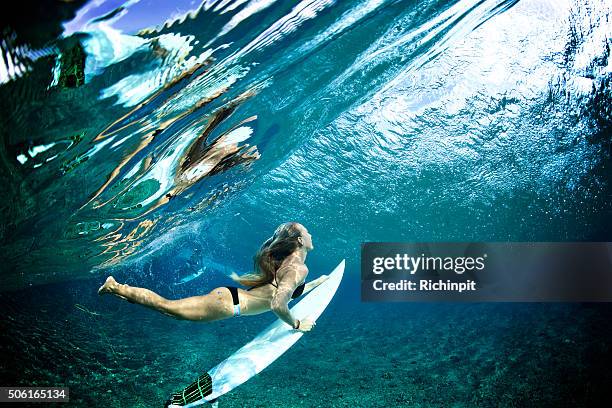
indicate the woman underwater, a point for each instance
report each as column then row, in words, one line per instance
column 279, row 276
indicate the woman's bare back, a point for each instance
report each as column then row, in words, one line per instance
column 258, row 300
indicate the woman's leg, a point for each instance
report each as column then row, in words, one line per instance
column 214, row 306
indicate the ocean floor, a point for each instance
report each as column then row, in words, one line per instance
column 115, row 354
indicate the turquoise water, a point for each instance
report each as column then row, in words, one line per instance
column 164, row 143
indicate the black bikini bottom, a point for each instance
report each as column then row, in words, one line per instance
column 234, row 291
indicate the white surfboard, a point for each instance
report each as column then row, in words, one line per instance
column 269, row 345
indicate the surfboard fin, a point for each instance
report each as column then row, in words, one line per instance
column 195, row 391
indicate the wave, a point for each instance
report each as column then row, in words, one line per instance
column 140, row 119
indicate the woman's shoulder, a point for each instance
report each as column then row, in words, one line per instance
column 296, row 267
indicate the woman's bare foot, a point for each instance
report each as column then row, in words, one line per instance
column 108, row 286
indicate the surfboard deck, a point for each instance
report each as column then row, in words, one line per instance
column 267, row 346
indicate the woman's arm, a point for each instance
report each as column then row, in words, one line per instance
column 291, row 277
column 313, row 284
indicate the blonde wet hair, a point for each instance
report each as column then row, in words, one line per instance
column 271, row 254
